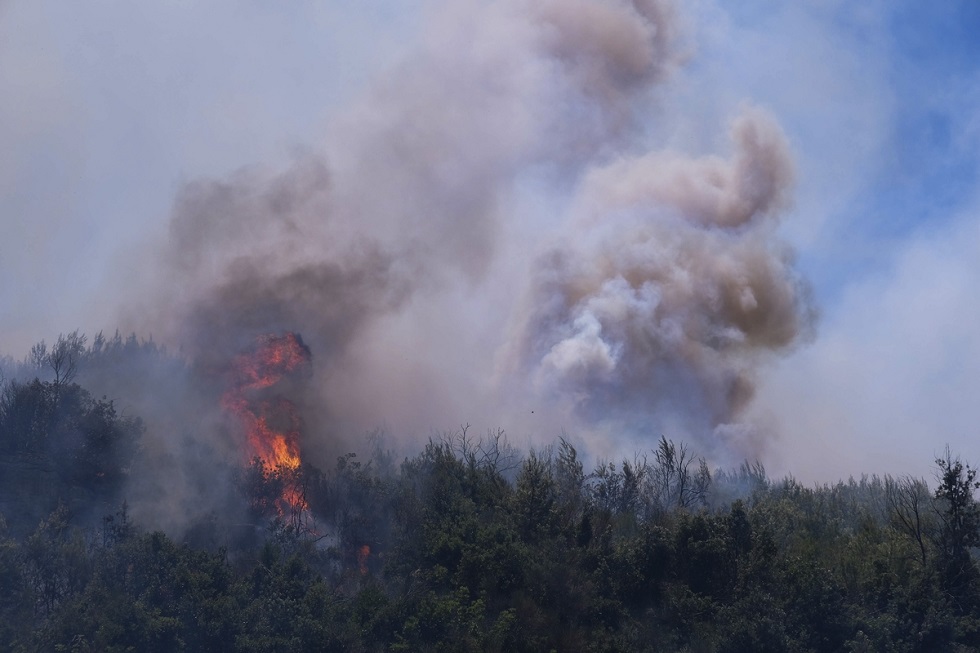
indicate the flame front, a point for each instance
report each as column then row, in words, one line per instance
column 271, row 425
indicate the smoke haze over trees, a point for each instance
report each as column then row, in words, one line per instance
column 467, row 544
column 559, row 221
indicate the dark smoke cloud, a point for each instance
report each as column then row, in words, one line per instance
column 432, row 291
column 245, row 259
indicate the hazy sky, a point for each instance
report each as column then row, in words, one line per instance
column 108, row 108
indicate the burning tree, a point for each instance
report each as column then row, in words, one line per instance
column 271, row 422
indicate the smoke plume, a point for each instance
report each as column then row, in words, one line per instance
column 669, row 287
column 483, row 236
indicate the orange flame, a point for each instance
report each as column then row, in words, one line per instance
column 271, row 425
column 363, row 553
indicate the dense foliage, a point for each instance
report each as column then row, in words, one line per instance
column 469, row 546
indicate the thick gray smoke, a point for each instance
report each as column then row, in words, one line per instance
column 670, row 285
column 482, row 237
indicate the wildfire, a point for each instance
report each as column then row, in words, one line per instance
column 271, row 423
column 363, row 553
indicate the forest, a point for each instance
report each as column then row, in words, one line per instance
column 468, row 545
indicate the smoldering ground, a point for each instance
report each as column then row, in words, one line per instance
column 489, row 235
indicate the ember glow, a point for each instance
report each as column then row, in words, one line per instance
column 270, row 422
column 363, row 553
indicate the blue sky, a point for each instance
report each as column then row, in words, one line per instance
column 106, row 110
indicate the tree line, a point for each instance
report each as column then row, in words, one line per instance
column 471, row 545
